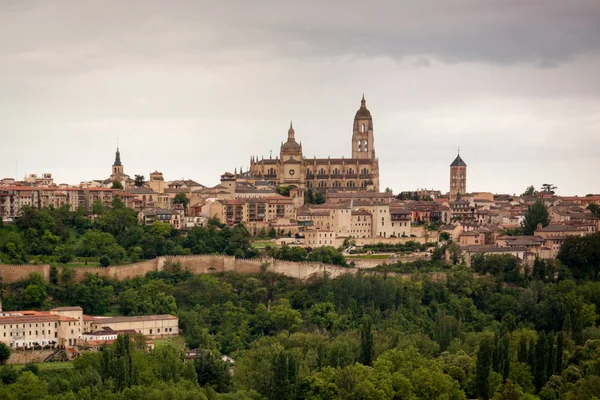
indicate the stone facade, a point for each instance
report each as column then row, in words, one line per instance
column 291, row 168
column 458, row 178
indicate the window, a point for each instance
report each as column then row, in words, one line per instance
column 359, row 146
column 363, row 127
column 151, row 331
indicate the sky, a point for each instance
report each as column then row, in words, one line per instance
column 194, row 88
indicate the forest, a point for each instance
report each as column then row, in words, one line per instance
column 363, row 336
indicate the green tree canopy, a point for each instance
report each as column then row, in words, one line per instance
column 536, row 214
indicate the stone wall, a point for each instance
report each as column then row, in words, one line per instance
column 14, row 273
column 119, row 272
column 26, row 356
column 197, row 264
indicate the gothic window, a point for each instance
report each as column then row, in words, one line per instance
column 309, row 184
column 322, row 184
column 363, row 127
column 359, row 146
column 322, row 171
column 350, row 171
column 350, row 184
column 308, row 172
column 336, row 171
column 365, row 171
column 364, row 184
column 336, row 184
column 366, row 146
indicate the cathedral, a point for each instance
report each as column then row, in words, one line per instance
column 292, row 168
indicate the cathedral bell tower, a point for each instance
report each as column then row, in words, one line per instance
column 458, row 178
column 362, row 133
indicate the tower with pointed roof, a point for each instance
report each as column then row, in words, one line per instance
column 362, row 133
column 458, row 178
column 118, row 171
column 117, row 167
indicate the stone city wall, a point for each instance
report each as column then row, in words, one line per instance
column 197, row 264
column 15, row 273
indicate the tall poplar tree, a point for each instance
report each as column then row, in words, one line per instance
column 483, row 368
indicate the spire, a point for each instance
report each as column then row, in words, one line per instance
column 363, row 101
column 117, row 162
column 291, row 133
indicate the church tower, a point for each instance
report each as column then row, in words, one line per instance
column 458, row 178
column 117, row 167
column 362, row 134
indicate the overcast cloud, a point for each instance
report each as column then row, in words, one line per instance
column 194, row 88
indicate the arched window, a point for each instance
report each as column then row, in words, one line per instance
column 364, row 184
column 366, row 146
column 308, row 172
column 359, row 146
column 309, row 184
column 350, row 171
column 350, row 184
column 336, row 171
column 336, row 184
column 321, row 171
column 322, row 184
column 363, row 127
column 365, row 171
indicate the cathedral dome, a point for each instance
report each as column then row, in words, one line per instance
column 363, row 112
column 291, row 146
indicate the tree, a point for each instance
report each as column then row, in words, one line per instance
column 181, row 198
column 595, row 209
column 116, row 185
column 536, row 214
column 540, row 369
column 483, row 368
column 4, row 353
column 139, row 180
column 530, row 191
column 367, row 346
column 560, row 349
column 211, row 370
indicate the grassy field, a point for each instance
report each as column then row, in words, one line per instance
column 49, row 365
column 177, row 341
column 261, row 244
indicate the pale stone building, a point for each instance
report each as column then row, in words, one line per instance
column 360, row 172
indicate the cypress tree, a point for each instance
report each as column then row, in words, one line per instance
column 484, row 364
column 567, row 324
column 540, row 370
column 366, row 344
column 531, row 354
column 505, row 357
column 522, row 351
column 560, row 348
column 551, row 356
column 578, row 332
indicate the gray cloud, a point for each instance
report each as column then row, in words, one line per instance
column 195, row 87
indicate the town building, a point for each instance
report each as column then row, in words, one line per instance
column 292, row 168
column 67, row 326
